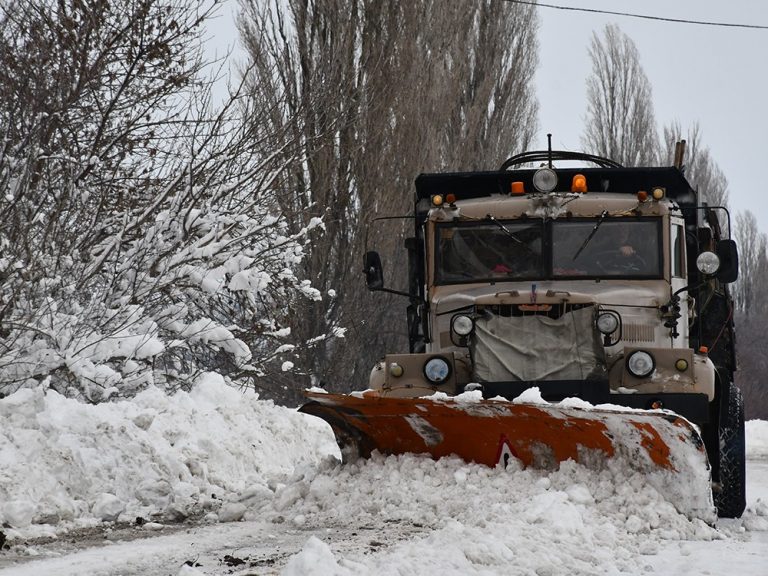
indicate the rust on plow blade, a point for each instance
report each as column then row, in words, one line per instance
column 490, row 432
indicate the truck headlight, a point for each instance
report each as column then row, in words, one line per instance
column 544, row 180
column 437, row 369
column 607, row 323
column 640, row 364
column 462, row 325
column 708, row 263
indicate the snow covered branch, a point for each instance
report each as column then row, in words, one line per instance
column 142, row 240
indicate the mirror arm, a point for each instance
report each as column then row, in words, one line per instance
column 414, row 298
column 390, row 291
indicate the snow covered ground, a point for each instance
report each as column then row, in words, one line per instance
column 220, row 482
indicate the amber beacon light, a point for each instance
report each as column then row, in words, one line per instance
column 517, row 188
column 579, row 183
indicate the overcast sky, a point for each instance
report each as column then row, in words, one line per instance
column 713, row 75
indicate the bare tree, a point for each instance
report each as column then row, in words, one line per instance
column 753, row 265
column 620, row 121
column 379, row 92
column 752, row 307
column 700, row 168
column 753, row 365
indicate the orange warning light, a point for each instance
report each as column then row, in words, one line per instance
column 579, row 183
column 642, row 195
column 517, row 188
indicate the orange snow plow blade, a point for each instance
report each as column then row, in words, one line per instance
column 489, row 432
column 662, row 446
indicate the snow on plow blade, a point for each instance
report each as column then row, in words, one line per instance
column 664, row 447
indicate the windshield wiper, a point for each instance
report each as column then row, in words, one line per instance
column 506, row 230
column 511, row 235
column 591, row 234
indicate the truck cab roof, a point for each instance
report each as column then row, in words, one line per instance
column 602, row 183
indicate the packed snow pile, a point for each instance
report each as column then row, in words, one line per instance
column 66, row 463
column 217, row 455
column 485, row 518
column 497, row 521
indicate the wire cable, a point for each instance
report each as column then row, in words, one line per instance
column 643, row 16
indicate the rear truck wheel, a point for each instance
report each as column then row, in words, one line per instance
column 730, row 498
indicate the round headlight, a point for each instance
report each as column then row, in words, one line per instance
column 544, row 180
column 437, row 370
column 640, row 364
column 607, row 323
column 708, row 263
column 462, row 325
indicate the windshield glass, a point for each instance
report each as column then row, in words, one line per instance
column 620, row 247
column 489, row 250
column 586, row 247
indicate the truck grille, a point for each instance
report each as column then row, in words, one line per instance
column 517, row 310
column 631, row 332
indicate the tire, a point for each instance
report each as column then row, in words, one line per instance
column 731, row 498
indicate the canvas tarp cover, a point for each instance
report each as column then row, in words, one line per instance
column 535, row 347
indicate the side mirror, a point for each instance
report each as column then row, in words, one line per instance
column 374, row 273
column 729, row 261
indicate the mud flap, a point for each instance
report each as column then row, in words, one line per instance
column 664, row 447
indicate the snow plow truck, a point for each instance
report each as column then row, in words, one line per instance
column 574, row 310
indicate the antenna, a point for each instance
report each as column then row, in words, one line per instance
column 549, row 149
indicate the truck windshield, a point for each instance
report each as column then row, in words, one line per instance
column 489, row 250
column 585, row 247
column 624, row 247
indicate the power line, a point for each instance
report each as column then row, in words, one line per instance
column 643, row 16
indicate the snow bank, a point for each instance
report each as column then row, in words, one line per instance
column 228, row 456
column 63, row 462
column 757, row 439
